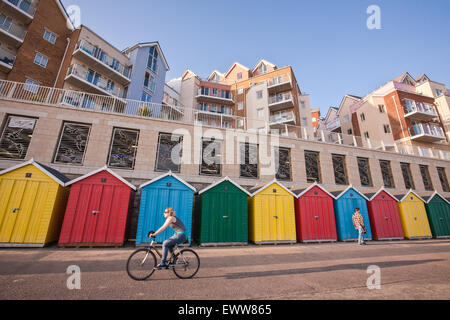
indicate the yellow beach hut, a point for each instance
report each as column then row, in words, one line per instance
column 413, row 216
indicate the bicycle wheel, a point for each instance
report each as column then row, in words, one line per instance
column 186, row 264
column 141, row 264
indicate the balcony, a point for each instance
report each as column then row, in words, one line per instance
column 279, row 84
column 12, row 33
column 91, row 82
column 23, row 10
column 426, row 133
column 215, row 119
column 419, row 111
column 282, row 119
column 6, row 60
column 333, row 126
column 222, row 98
column 99, row 60
column 281, row 101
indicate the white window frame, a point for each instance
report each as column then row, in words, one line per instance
column 260, row 112
column 39, row 57
column 31, row 85
column 240, row 106
column 51, row 33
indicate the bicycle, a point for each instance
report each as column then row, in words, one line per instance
column 141, row 264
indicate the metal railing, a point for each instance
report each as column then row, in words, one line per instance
column 426, row 129
column 282, row 117
column 95, row 80
column 333, row 124
column 6, row 57
column 413, row 106
column 281, row 97
column 101, row 56
column 14, row 29
column 21, row 92
column 29, row 7
column 219, row 95
column 284, row 78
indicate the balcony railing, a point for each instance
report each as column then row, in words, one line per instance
column 7, row 58
column 412, row 107
column 93, row 80
column 27, row 7
column 333, row 125
column 427, row 130
column 24, row 93
column 284, row 117
column 279, row 98
column 220, row 96
column 13, row 29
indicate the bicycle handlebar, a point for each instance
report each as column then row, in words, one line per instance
column 150, row 232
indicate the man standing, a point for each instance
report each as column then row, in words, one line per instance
column 358, row 222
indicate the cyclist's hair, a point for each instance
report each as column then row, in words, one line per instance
column 171, row 211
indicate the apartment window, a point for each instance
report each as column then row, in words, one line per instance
column 439, row 92
column 259, row 95
column 349, row 131
column 123, row 148
column 146, row 97
column 302, row 104
column 428, row 184
column 16, row 137
column 72, row 143
column 346, row 118
column 203, row 106
column 211, row 157
column 239, row 76
column 364, row 172
column 407, row 176
column 260, row 113
column 110, row 85
column 225, row 94
column 381, row 108
column 240, row 90
column 5, row 22
column 387, row 128
column 240, row 106
column 241, row 122
column 386, row 172
column 312, row 164
column 214, row 91
column 149, row 81
column 31, row 85
column 248, row 157
column 304, row 122
column 366, row 135
column 169, row 153
column 152, row 59
column 41, row 60
column 205, row 91
column 340, row 171
column 363, row 117
column 283, row 164
column 50, row 36
column 443, row 178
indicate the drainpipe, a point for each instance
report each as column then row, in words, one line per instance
column 398, row 115
column 62, row 62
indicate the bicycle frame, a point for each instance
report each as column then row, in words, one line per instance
column 176, row 251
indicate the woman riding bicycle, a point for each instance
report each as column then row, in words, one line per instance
column 180, row 235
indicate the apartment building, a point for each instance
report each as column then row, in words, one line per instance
column 395, row 116
column 34, row 37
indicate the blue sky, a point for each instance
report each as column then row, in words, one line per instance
column 327, row 43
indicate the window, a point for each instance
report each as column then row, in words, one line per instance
column 349, row 131
column 364, row 172
column 123, row 148
column 248, row 160
column 439, row 92
column 443, row 178
column 381, row 108
column 240, row 106
column 407, row 176
column 214, row 91
column 211, row 157
column 214, row 108
column 240, row 90
column 110, row 85
column 304, row 122
column 203, row 106
column 363, row 117
column 239, row 76
column 387, row 128
column 41, row 60
column 5, row 22
column 146, row 97
column 346, row 118
column 72, row 143
column 312, row 162
column 152, row 59
column 366, row 135
column 225, row 94
column 50, row 36
column 426, row 178
column 16, row 137
column 302, row 104
column 241, row 123
column 340, row 171
column 259, row 95
column 386, row 172
column 205, row 91
column 168, row 155
column 283, row 164
column 149, row 81
column 260, row 113
column 31, row 85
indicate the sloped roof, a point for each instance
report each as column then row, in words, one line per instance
column 338, row 194
column 427, row 199
column 257, row 189
column 236, row 64
column 150, row 44
column 301, row 191
column 52, row 173
column 105, row 168
column 372, row 196
column 223, row 180
column 402, row 196
column 168, row 174
column 265, row 62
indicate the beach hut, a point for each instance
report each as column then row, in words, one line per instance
column 314, row 214
column 32, row 203
column 222, row 210
column 97, row 210
column 272, row 214
column 413, row 216
column 438, row 211
column 344, row 206
column 384, row 216
column 166, row 191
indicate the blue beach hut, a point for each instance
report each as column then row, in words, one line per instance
column 345, row 203
column 166, row 191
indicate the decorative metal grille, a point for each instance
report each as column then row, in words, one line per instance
column 248, row 160
column 386, row 172
column 407, row 176
column 211, row 157
column 312, row 166
column 123, row 149
column 72, row 143
column 169, row 152
column 283, row 164
column 443, row 178
column 364, row 172
column 340, row 172
column 16, row 137
column 426, row 178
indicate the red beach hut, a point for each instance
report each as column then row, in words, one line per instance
column 97, row 210
column 384, row 216
column 314, row 214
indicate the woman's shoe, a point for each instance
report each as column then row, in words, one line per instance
column 162, row 266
